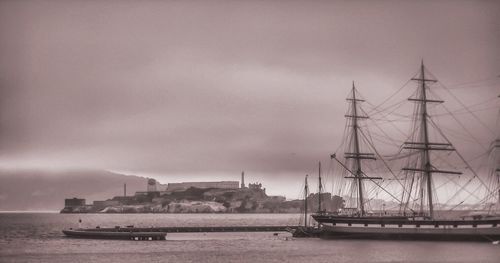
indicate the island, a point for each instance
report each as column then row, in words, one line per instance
column 202, row 197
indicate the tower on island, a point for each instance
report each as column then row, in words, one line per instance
column 243, row 179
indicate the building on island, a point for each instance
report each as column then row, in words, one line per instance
column 74, row 202
column 153, row 188
column 203, row 185
column 152, row 185
column 256, row 186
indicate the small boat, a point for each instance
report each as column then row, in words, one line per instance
column 116, row 233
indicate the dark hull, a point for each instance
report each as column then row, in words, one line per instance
column 336, row 232
column 399, row 220
column 408, row 229
column 115, row 235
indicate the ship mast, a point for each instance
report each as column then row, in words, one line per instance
column 357, row 155
column 320, row 187
column 496, row 170
column 424, row 145
column 496, row 158
column 358, row 170
column 306, row 192
column 425, row 158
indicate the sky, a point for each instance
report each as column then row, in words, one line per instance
column 201, row 90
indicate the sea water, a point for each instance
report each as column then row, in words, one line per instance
column 37, row 237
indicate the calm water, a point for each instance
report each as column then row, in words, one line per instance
column 37, row 237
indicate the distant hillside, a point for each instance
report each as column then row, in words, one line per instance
column 43, row 190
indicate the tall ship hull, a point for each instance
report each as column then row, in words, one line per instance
column 407, row 229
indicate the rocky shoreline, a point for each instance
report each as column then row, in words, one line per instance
column 177, row 207
column 195, row 200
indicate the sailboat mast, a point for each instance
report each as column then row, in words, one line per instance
column 358, row 171
column 320, row 187
column 306, row 192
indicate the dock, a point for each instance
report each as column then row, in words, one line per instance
column 196, row 229
column 159, row 233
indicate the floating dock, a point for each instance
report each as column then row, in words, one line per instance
column 114, row 234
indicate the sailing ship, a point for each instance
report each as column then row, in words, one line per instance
column 415, row 192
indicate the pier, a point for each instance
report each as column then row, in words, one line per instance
column 159, row 233
column 196, row 229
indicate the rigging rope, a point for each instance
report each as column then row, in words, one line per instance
column 465, row 107
column 458, row 153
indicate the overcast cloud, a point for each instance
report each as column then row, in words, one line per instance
column 200, row 90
